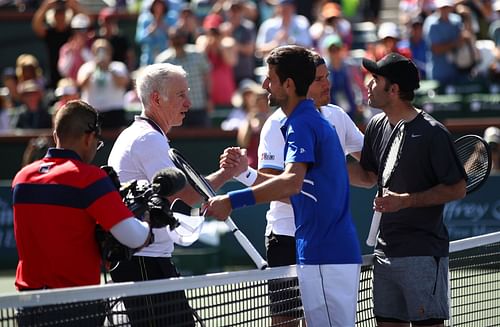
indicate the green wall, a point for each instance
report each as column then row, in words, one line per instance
column 478, row 213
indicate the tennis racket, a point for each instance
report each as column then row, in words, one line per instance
column 475, row 155
column 201, row 185
column 389, row 163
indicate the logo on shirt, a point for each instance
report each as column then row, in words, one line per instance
column 302, row 150
column 45, row 167
column 267, row 156
column 415, row 135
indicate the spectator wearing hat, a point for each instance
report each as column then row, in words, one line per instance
column 66, row 91
column 390, row 40
column 222, row 55
column 243, row 31
column 33, row 112
column 492, row 136
column 74, row 53
column 103, row 84
column 285, row 28
column 241, row 100
column 341, row 92
column 51, row 23
column 28, row 68
column 331, row 21
column 152, row 31
column 442, row 32
column 198, row 68
column 109, row 30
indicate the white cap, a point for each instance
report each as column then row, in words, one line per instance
column 496, row 5
column 492, row 135
column 65, row 90
column 388, row 29
column 444, row 3
column 80, row 21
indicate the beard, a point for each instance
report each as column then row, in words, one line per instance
column 273, row 102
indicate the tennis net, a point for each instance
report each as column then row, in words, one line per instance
column 246, row 298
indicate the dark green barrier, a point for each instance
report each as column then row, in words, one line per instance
column 8, row 253
column 477, row 214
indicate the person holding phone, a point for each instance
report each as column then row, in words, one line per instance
column 103, row 83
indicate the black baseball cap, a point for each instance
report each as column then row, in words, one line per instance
column 397, row 68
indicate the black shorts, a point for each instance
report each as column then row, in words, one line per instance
column 284, row 293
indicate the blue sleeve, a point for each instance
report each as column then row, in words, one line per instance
column 299, row 144
column 143, row 23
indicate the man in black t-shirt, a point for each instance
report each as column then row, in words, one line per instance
column 410, row 272
column 51, row 24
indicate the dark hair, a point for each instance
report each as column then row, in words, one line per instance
column 405, row 95
column 163, row 2
column 296, row 63
column 318, row 60
column 36, row 149
column 75, row 119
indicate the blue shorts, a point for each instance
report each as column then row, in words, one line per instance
column 411, row 288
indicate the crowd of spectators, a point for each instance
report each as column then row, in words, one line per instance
column 222, row 44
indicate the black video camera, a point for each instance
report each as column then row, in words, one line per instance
column 147, row 201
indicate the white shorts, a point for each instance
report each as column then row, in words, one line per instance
column 329, row 294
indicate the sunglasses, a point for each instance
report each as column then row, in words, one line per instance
column 96, row 128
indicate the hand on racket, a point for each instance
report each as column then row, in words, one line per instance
column 201, row 185
column 218, row 207
column 389, row 163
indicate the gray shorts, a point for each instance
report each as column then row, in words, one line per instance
column 411, row 288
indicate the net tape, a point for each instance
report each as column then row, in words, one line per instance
column 242, row 298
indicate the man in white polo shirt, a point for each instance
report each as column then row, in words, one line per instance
column 139, row 152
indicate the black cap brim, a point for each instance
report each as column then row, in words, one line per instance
column 370, row 66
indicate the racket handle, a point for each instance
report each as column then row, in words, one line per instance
column 246, row 245
column 371, row 240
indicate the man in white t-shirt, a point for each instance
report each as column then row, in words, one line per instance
column 280, row 229
column 139, row 152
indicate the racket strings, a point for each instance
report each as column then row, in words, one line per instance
column 474, row 156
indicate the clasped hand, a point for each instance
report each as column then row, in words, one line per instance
column 391, row 202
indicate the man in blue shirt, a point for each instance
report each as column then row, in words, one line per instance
column 442, row 32
column 316, row 181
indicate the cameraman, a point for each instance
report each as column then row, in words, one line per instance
column 57, row 203
column 139, row 152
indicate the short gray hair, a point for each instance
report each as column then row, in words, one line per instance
column 156, row 78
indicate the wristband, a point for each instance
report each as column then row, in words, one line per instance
column 247, row 177
column 241, row 198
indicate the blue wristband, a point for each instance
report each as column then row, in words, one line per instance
column 241, row 198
